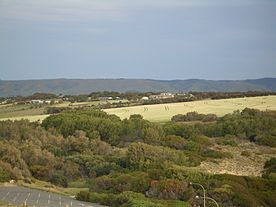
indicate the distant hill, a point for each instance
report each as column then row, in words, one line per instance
column 84, row 86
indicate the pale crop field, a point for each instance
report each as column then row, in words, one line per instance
column 164, row 112
column 31, row 118
column 17, row 112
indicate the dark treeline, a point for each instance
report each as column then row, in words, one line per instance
column 223, row 95
column 134, row 96
column 194, row 116
column 134, row 162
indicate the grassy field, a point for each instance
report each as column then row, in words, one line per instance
column 164, row 112
column 35, row 112
column 32, row 118
column 158, row 112
column 20, row 110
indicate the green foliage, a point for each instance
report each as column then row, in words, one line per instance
column 83, row 196
column 169, row 189
column 245, row 153
column 228, row 140
column 268, row 140
column 215, row 154
column 174, row 141
column 131, row 199
column 59, row 179
column 270, row 168
column 117, row 183
column 146, row 159
column 144, row 156
column 194, row 116
column 257, row 126
column 126, row 199
column 182, row 130
column 4, row 175
column 246, row 191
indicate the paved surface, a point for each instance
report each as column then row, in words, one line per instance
column 37, row 198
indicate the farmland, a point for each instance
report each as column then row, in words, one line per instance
column 36, row 112
column 156, row 113
column 163, row 112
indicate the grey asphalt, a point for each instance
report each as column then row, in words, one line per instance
column 36, row 198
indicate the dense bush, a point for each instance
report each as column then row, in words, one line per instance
column 144, row 156
column 194, row 116
column 117, row 183
column 113, row 157
column 56, row 110
column 170, row 189
column 174, row 141
column 127, row 199
column 4, row 175
column 270, row 168
column 253, row 124
column 215, row 154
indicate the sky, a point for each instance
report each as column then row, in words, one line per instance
column 152, row 39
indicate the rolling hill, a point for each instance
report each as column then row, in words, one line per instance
column 82, row 86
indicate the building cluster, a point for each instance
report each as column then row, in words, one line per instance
column 158, row 96
column 165, row 96
column 106, row 98
column 162, row 96
column 39, row 101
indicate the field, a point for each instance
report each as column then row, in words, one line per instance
column 164, row 112
column 157, row 112
column 35, row 112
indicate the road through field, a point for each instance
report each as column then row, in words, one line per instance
column 36, row 198
column 164, row 112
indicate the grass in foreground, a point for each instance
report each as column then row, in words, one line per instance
column 46, row 186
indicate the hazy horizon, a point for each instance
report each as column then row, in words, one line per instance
column 136, row 79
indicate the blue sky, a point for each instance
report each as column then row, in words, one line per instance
column 157, row 39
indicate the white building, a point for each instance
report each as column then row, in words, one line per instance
column 37, row 101
column 145, row 98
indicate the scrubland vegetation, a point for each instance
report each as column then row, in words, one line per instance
column 134, row 162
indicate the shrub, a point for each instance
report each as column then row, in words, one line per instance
column 125, row 199
column 83, row 196
column 143, row 156
column 131, row 199
column 58, row 179
column 245, row 153
column 215, row 154
column 229, row 143
column 174, row 141
column 270, row 168
column 116, row 183
column 170, row 189
column 268, row 140
column 194, row 116
column 4, row 175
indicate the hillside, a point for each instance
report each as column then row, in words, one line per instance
column 81, row 86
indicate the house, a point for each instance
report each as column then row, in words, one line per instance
column 105, row 98
column 37, row 101
column 162, row 96
column 47, row 101
column 144, row 98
